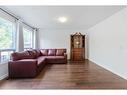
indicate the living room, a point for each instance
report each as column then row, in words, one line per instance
column 50, row 28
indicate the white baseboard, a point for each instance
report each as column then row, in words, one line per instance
column 3, row 76
column 107, row 68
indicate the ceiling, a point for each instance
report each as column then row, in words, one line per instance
column 79, row 17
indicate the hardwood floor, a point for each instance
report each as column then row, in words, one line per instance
column 74, row 75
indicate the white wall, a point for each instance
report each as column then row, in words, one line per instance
column 56, row 38
column 108, row 43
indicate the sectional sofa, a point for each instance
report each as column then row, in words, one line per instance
column 29, row 63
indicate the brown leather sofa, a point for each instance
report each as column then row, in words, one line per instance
column 29, row 63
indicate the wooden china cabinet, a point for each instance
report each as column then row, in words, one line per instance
column 77, row 47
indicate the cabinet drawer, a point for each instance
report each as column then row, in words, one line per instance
column 77, row 57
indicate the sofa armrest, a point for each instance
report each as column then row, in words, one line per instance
column 65, row 56
column 23, row 62
column 22, row 68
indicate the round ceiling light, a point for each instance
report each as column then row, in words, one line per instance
column 62, row 19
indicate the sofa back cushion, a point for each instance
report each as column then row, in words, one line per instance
column 32, row 53
column 21, row 55
column 38, row 52
column 51, row 52
column 60, row 52
column 44, row 52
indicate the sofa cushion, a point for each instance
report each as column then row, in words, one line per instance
column 21, row 55
column 28, row 60
column 44, row 52
column 54, row 57
column 60, row 52
column 51, row 52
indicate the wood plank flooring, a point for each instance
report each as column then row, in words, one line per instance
column 74, row 75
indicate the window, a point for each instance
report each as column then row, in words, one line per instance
column 28, row 39
column 7, row 39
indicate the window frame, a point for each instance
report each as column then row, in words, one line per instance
column 14, row 37
column 32, row 37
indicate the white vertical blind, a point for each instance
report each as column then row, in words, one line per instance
column 35, row 39
column 20, row 42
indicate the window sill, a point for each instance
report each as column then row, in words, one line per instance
column 5, row 62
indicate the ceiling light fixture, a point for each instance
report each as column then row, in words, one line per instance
column 62, row 19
